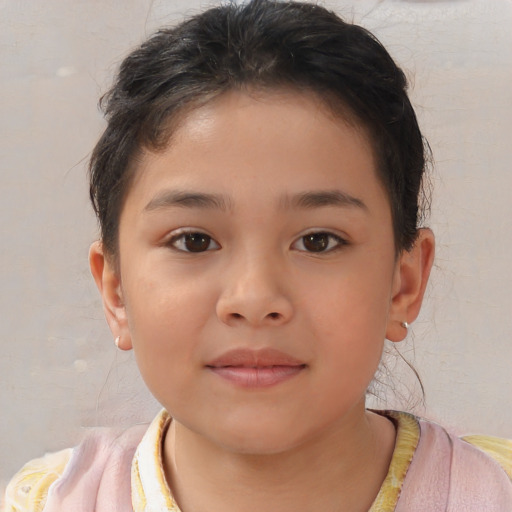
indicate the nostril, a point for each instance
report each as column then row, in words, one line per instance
column 274, row 315
column 237, row 315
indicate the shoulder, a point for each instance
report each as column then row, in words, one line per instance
column 74, row 475
column 491, row 453
column 449, row 473
column 480, row 473
column 28, row 489
column 497, row 448
column 469, row 477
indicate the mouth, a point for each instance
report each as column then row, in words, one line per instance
column 256, row 368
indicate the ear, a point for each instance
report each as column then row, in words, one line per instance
column 109, row 284
column 409, row 282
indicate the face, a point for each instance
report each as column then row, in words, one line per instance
column 258, row 272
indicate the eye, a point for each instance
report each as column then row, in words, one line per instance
column 193, row 242
column 319, row 242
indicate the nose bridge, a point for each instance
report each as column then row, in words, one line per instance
column 254, row 291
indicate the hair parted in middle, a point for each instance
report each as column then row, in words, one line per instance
column 261, row 45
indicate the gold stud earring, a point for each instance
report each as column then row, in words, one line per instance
column 117, row 341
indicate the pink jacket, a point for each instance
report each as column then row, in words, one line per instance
column 446, row 474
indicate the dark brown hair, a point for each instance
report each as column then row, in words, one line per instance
column 264, row 44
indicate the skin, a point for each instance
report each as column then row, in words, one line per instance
column 307, row 442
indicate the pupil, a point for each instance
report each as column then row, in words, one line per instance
column 316, row 242
column 197, row 242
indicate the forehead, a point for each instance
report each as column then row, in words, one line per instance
column 273, row 141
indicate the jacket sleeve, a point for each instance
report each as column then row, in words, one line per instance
column 28, row 489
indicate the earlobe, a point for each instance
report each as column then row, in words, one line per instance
column 109, row 285
column 410, row 281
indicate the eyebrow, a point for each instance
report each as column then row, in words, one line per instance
column 303, row 200
column 323, row 198
column 186, row 199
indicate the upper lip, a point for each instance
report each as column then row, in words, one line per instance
column 261, row 358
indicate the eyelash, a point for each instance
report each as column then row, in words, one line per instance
column 180, row 238
column 181, row 235
column 339, row 242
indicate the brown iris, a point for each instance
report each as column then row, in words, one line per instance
column 197, row 242
column 316, row 242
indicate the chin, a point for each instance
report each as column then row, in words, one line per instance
column 258, row 438
column 259, row 445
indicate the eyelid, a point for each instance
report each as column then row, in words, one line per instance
column 341, row 241
column 175, row 235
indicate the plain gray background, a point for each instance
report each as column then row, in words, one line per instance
column 60, row 372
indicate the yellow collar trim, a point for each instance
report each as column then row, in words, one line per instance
column 150, row 491
column 407, row 438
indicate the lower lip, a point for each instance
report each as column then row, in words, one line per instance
column 257, row 377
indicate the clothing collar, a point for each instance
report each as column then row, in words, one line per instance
column 407, row 438
column 151, row 493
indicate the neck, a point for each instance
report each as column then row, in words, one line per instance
column 341, row 469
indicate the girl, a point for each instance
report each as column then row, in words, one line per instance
column 257, row 188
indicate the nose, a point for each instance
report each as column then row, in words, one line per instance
column 253, row 295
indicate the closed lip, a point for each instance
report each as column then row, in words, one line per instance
column 261, row 358
column 256, row 369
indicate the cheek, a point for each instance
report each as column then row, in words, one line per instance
column 353, row 338
column 348, row 320
column 165, row 318
column 353, row 301
column 165, row 302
